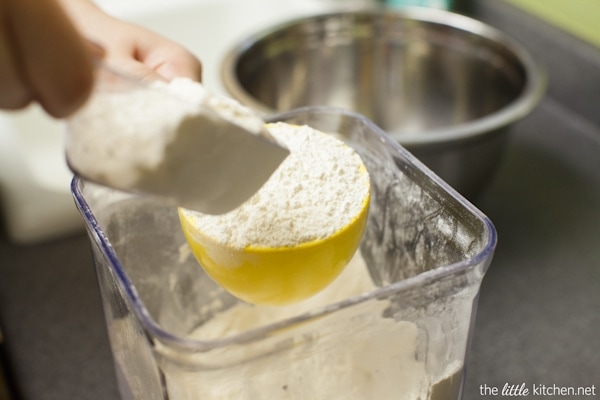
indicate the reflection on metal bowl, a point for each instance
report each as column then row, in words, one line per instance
column 443, row 85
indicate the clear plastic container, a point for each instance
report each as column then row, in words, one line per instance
column 424, row 253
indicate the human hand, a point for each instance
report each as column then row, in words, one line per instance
column 42, row 58
column 131, row 48
column 47, row 54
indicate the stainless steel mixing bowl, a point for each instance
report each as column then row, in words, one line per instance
column 443, row 85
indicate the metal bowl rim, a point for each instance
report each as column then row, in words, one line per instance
column 530, row 96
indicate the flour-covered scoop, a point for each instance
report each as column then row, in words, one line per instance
column 174, row 141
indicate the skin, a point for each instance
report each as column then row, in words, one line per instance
column 48, row 49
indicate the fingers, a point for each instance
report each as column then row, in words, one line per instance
column 55, row 64
column 131, row 48
column 134, row 68
column 162, row 56
column 171, row 63
column 162, row 60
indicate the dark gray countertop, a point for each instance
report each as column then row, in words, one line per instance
column 538, row 318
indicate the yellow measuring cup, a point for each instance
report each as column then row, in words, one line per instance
column 278, row 275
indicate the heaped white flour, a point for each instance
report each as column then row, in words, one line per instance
column 120, row 135
column 317, row 190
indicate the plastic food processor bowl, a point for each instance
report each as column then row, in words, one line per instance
column 425, row 248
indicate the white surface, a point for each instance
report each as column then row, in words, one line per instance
column 34, row 181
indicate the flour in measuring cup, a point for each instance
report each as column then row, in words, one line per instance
column 317, row 190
